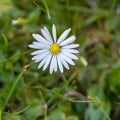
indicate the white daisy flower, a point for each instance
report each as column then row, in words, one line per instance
column 53, row 52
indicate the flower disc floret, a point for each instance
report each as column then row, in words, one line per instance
column 55, row 48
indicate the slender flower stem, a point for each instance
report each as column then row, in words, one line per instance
column 62, row 96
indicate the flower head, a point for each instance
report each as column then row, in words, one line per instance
column 54, row 52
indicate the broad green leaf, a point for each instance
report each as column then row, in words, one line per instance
column 36, row 108
column 12, row 117
column 114, row 81
column 72, row 118
column 57, row 115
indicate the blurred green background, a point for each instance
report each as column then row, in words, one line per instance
column 90, row 90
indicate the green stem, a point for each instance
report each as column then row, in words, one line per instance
column 62, row 96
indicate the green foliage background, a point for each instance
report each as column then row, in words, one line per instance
column 88, row 91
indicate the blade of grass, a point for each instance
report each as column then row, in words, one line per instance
column 106, row 115
column 0, row 114
column 46, row 7
column 67, row 2
column 5, row 41
column 21, row 111
column 100, row 11
column 72, row 76
column 14, row 56
column 114, row 2
column 13, row 88
column 64, row 79
column 39, row 6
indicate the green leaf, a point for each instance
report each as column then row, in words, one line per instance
column 114, row 81
column 65, row 106
column 36, row 109
column 72, row 118
column 12, row 117
column 115, row 23
column 57, row 115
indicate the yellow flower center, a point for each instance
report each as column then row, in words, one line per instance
column 55, row 48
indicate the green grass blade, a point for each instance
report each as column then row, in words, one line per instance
column 13, row 88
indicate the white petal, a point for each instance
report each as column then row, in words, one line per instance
column 70, row 55
column 68, row 41
column 39, row 57
column 33, row 46
column 67, row 59
column 71, row 50
column 42, row 63
column 39, row 51
column 59, row 63
column 47, row 62
column 41, row 45
column 72, row 46
column 63, row 36
column 54, row 32
column 40, row 39
column 64, row 62
column 52, row 65
column 46, row 35
column 44, row 60
column 55, row 63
